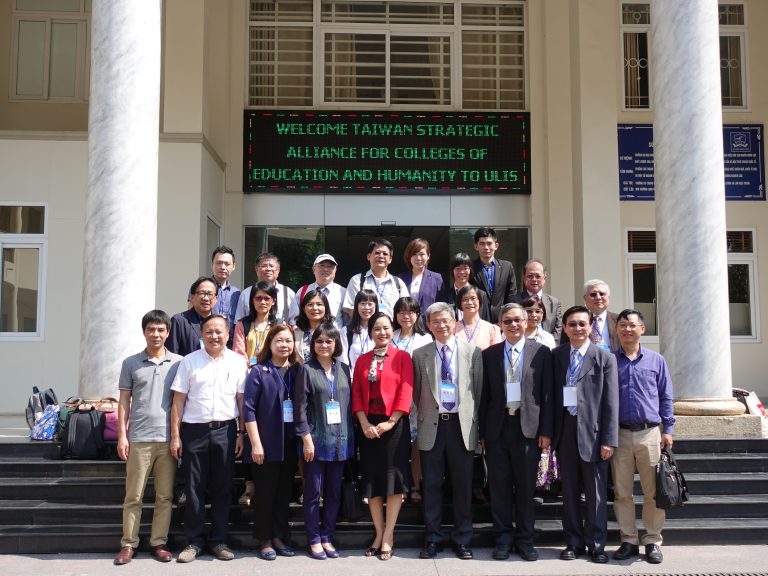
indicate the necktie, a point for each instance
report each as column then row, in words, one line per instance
column 445, row 366
column 595, row 335
column 324, row 291
column 513, row 375
column 445, row 374
column 573, row 373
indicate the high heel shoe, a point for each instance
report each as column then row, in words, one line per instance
column 372, row 551
column 386, row 554
column 317, row 555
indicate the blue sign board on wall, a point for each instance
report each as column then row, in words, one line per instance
column 744, row 157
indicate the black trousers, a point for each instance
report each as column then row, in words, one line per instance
column 589, row 529
column 208, row 467
column 513, row 463
column 273, row 482
column 448, row 451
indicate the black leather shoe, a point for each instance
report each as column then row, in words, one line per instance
column 626, row 551
column 571, row 553
column 653, row 554
column 430, row 550
column 599, row 556
column 527, row 552
column 463, row 552
column 501, row 552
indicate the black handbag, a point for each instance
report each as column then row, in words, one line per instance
column 351, row 506
column 671, row 488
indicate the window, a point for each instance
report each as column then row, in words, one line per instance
column 635, row 31
column 23, row 246
column 742, row 275
column 388, row 54
column 51, row 50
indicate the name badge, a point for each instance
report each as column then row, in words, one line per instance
column 448, row 395
column 333, row 412
column 569, row 395
column 514, row 393
column 383, row 307
column 202, row 344
column 287, row 411
column 253, row 360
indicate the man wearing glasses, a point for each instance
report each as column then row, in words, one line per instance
column 267, row 267
column 185, row 326
column 534, row 279
column 586, row 400
column 597, row 298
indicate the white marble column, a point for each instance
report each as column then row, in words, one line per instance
column 690, row 204
column 121, row 204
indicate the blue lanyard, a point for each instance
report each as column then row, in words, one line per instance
column 286, row 385
column 332, row 379
column 379, row 287
column 470, row 337
column 407, row 342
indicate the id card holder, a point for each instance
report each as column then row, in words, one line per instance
column 333, row 412
column 383, row 307
column 569, row 395
column 448, row 394
column 202, row 344
column 287, row 411
column 514, row 392
column 253, row 360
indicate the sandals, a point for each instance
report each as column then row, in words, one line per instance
column 386, row 554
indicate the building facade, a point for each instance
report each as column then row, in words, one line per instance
column 576, row 71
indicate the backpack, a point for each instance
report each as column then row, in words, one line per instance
column 37, row 403
column 46, row 426
column 83, row 435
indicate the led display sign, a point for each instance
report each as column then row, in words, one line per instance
column 386, row 152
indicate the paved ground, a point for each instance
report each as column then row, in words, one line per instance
column 688, row 560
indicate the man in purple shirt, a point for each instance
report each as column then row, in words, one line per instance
column 645, row 427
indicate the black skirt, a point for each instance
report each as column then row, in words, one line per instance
column 385, row 462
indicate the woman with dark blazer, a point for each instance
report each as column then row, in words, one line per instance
column 424, row 285
column 268, row 415
column 323, row 419
column 382, row 391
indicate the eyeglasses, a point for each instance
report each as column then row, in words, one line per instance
column 534, row 311
column 263, row 298
column 324, row 342
column 441, row 322
column 367, row 304
column 577, row 324
column 206, row 294
column 510, row 321
column 406, row 313
column 470, row 300
column 282, row 341
column 597, row 294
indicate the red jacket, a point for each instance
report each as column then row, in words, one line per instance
column 396, row 382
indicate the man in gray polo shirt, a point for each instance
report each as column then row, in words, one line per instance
column 145, row 394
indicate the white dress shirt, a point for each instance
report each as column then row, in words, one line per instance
column 284, row 298
column 335, row 295
column 211, row 386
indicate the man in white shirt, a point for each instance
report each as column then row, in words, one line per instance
column 388, row 288
column 324, row 269
column 204, row 430
column 267, row 267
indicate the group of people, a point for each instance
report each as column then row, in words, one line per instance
column 408, row 376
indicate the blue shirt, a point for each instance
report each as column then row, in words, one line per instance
column 645, row 389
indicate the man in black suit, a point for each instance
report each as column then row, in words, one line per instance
column 496, row 277
column 586, row 393
column 515, row 425
column 534, row 279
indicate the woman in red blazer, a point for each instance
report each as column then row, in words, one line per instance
column 382, row 391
